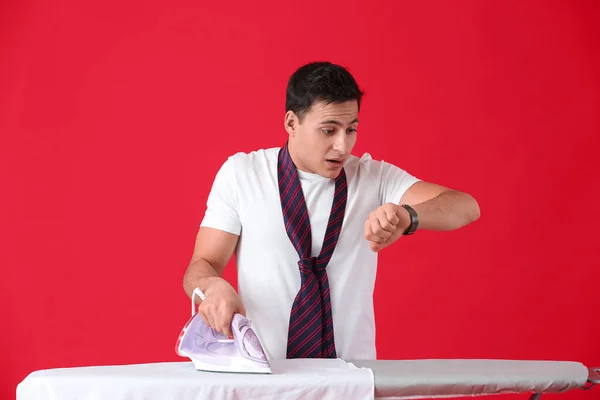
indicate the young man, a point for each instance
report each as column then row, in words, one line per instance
column 306, row 222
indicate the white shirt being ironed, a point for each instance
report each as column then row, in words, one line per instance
column 244, row 200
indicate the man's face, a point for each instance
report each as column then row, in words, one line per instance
column 323, row 141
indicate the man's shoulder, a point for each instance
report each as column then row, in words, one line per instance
column 365, row 162
column 255, row 156
column 365, row 167
column 364, row 159
column 260, row 158
column 251, row 162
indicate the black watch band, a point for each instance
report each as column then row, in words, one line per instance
column 414, row 220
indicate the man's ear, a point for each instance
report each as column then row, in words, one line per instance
column 291, row 122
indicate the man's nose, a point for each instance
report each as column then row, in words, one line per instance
column 341, row 144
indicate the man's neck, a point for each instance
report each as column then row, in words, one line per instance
column 296, row 160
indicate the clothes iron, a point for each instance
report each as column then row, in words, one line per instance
column 210, row 350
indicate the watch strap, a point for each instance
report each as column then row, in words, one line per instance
column 414, row 220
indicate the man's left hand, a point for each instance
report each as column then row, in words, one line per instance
column 385, row 225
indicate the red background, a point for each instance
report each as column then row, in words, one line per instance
column 114, row 118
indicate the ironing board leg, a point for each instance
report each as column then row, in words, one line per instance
column 535, row 396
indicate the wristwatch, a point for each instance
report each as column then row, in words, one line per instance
column 414, row 220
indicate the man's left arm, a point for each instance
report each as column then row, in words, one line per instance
column 439, row 208
column 436, row 207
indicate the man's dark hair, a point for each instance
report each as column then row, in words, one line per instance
column 320, row 81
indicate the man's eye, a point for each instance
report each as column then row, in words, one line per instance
column 328, row 131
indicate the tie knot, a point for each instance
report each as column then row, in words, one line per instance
column 310, row 264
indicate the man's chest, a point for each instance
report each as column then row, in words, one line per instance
column 261, row 211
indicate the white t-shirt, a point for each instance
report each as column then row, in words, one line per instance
column 244, row 200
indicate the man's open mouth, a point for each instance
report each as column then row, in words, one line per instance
column 334, row 162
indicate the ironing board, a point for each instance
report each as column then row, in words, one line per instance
column 446, row 378
column 393, row 379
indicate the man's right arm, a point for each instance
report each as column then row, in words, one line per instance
column 212, row 252
column 216, row 241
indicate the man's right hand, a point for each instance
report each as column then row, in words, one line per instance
column 221, row 303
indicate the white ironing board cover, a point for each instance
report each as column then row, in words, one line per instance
column 443, row 378
column 290, row 379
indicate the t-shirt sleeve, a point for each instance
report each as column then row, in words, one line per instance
column 222, row 204
column 394, row 183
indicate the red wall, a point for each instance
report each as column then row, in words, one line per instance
column 115, row 117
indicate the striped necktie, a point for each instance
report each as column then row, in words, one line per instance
column 310, row 332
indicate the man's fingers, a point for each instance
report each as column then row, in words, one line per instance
column 210, row 316
column 219, row 318
column 226, row 329
column 241, row 309
column 388, row 218
column 203, row 316
column 382, row 223
column 376, row 247
column 225, row 321
column 380, row 226
column 391, row 212
column 369, row 233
